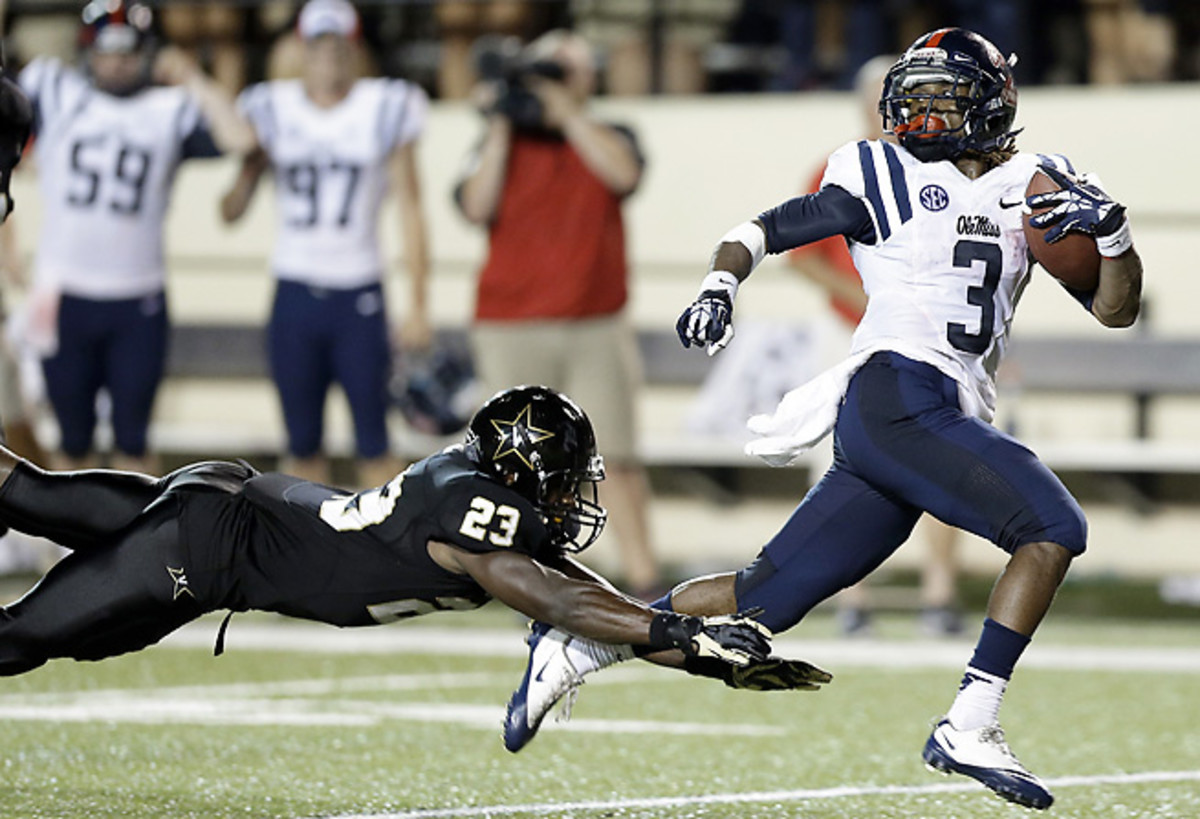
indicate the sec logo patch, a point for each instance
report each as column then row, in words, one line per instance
column 934, row 197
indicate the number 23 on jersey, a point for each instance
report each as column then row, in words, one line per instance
column 479, row 520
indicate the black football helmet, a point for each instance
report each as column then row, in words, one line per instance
column 977, row 78
column 16, row 119
column 541, row 443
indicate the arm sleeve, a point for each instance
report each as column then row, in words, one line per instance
column 831, row 211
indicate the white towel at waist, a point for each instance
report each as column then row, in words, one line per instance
column 804, row 416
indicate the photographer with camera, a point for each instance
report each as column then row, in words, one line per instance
column 548, row 180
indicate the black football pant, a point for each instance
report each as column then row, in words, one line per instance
column 115, row 592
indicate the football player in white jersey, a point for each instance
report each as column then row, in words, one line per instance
column 108, row 143
column 334, row 142
column 935, row 230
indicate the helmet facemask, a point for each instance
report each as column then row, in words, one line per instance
column 574, row 521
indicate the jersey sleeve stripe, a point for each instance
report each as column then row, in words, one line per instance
column 871, row 184
column 899, row 184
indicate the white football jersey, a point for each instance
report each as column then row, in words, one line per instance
column 330, row 167
column 949, row 262
column 105, row 168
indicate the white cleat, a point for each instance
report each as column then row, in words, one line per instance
column 549, row 677
column 983, row 755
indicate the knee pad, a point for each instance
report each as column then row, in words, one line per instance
column 1067, row 527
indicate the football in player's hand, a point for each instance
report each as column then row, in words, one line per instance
column 1074, row 259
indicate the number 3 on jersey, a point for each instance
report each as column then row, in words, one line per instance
column 478, row 521
column 966, row 253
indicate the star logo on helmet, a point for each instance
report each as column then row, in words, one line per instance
column 518, row 436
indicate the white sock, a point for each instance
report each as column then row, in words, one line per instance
column 589, row 655
column 978, row 700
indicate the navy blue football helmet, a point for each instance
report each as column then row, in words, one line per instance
column 972, row 74
column 539, row 442
column 116, row 26
column 435, row 390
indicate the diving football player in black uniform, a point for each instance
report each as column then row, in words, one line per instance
column 495, row 517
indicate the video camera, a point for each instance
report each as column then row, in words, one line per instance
column 502, row 60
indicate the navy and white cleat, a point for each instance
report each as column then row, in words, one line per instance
column 983, row 755
column 548, row 677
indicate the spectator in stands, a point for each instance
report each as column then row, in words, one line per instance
column 107, row 148
column 212, row 33
column 461, row 22
column 650, row 46
column 828, row 265
column 827, row 43
column 1129, row 40
column 548, row 181
column 334, row 142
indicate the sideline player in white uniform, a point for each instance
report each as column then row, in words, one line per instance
column 935, row 230
column 107, row 146
column 333, row 143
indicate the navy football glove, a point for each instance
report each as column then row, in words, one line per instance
column 708, row 320
column 734, row 639
column 1080, row 206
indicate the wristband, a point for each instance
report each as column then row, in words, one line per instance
column 1117, row 242
column 669, row 630
column 722, row 281
column 750, row 236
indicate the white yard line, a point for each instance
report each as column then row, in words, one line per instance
column 323, row 713
column 756, row 797
column 410, row 639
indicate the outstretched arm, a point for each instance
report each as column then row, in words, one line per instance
column 230, row 131
column 590, row 610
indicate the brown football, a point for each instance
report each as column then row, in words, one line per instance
column 1074, row 259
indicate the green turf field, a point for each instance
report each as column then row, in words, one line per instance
column 404, row 721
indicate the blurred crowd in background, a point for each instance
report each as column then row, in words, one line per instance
column 672, row 46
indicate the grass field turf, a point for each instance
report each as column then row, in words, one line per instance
column 370, row 729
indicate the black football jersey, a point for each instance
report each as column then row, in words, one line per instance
column 360, row 559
